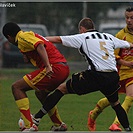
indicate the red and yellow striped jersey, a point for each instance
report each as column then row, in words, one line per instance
column 27, row 44
column 125, row 54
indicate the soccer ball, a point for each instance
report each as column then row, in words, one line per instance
column 21, row 123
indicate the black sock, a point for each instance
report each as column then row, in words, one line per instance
column 122, row 117
column 40, row 113
column 49, row 103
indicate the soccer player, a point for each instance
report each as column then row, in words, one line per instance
column 125, row 66
column 101, row 75
column 52, row 71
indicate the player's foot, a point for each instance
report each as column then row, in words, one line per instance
column 115, row 127
column 36, row 121
column 91, row 123
column 62, row 127
column 33, row 128
column 128, row 129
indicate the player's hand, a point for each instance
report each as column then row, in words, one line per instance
column 129, row 64
column 49, row 71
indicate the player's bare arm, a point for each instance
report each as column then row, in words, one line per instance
column 125, row 63
column 43, row 54
column 54, row 39
column 26, row 60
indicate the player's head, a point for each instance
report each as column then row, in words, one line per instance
column 129, row 17
column 10, row 31
column 129, row 9
column 85, row 25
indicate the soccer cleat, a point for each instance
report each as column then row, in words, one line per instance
column 115, row 127
column 62, row 127
column 128, row 129
column 36, row 121
column 91, row 123
column 33, row 128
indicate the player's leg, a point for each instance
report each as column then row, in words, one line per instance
column 29, row 82
column 60, row 74
column 53, row 113
column 126, row 105
column 19, row 89
column 100, row 106
column 113, row 99
column 93, row 114
column 54, row 116
column 52, row 100
column 59, row 125
column 72, row 86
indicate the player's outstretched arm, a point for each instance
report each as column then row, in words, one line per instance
column 54, row 39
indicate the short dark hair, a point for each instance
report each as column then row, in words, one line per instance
column 87, row 23
column 129, row 9
column 10, row 29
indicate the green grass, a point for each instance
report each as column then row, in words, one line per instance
column 72, row 108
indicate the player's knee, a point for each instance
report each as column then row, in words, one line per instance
column 63, row 88
column 113, row 104
column 130, row 94
column 14, row 86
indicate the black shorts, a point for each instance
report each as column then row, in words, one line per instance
column 90, row 81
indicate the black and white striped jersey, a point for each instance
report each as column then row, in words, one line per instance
column 97, row 48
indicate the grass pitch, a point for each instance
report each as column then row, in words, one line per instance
column 72, row 108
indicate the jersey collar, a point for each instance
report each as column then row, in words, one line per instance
column 92, row 30
column 126, row 30
column 17, row 35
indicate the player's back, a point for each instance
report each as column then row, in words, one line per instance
column 99, row 47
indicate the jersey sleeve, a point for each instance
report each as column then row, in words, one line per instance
column 118, row 43
column 121, row 43
column 74, row 41
column 34, row 40
column 27, row 41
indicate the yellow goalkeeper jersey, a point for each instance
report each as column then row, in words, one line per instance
column 125, row 54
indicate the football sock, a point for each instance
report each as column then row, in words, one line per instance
column 54, row 116
column 122, row 116
column 23, row 105
column 49, row 103
column 126, row 105
column 101, row 104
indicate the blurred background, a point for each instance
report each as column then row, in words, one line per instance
column 57, row 18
